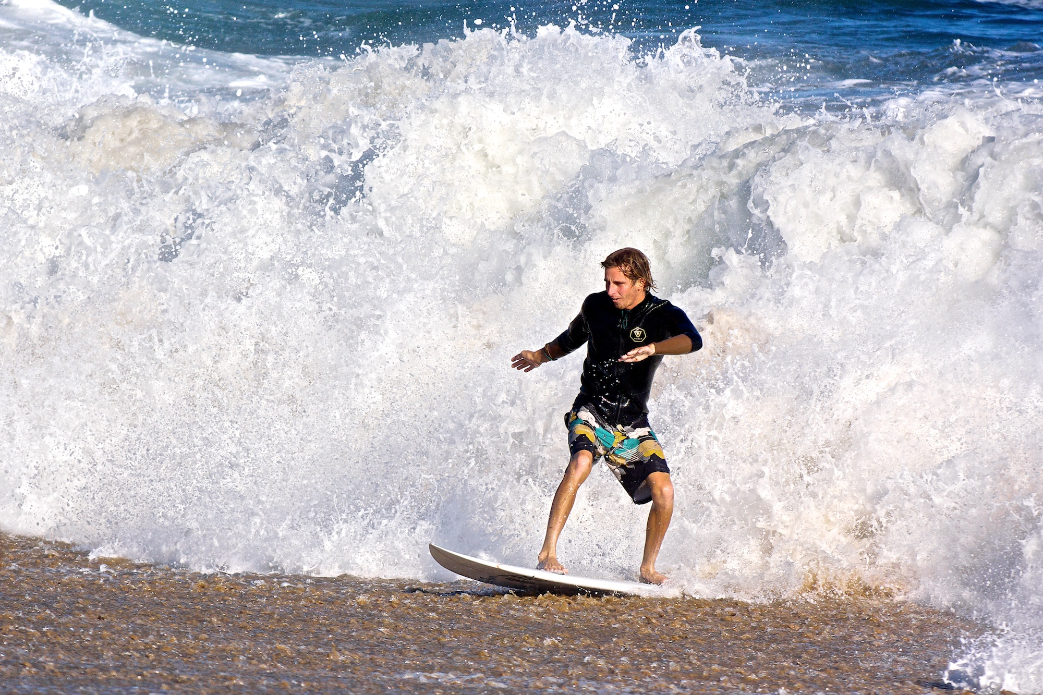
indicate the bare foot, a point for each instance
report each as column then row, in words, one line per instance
column 652, row 577
column 551, row 564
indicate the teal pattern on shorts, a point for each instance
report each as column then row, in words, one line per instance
column 631, row 453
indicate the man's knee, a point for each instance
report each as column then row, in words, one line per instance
column 580, row 464
column 662, row 489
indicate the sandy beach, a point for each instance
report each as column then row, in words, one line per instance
column 72, row 623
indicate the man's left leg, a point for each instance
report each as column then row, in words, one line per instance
column 658, row 521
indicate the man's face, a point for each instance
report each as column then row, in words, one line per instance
column 624, row 292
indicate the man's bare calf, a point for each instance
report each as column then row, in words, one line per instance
column 658, row 521
column 565, row 496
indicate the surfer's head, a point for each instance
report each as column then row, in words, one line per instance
column 628, row 275
column 633, row 264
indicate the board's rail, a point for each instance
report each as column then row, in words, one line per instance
column 539, row 581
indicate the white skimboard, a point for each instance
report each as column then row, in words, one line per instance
column 526, row 579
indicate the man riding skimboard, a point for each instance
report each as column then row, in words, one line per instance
column 627, row 331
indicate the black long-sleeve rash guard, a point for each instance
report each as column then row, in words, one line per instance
column 619, row 390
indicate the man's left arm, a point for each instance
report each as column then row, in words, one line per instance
column 684, row 339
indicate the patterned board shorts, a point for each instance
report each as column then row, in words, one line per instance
column 631, row 453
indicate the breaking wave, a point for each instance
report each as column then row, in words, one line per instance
column 258, row 313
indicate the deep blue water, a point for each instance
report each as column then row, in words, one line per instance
column 813, row 50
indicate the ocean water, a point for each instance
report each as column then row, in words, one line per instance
column 262, row 271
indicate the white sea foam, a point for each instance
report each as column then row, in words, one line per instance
column 274, row 332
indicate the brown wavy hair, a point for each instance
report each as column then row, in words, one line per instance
column 633, row 264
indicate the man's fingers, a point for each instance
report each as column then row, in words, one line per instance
column 525, row 364
column 635, row 355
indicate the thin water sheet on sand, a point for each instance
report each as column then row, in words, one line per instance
column 71, row 623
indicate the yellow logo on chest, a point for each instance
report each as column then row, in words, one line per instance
column 638, row 335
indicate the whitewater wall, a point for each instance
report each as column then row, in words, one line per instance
column 258, row 314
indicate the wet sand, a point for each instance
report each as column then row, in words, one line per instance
column 68, row 623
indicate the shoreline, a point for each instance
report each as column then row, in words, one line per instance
column 107, row 625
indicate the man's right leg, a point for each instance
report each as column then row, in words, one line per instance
column 577, row 472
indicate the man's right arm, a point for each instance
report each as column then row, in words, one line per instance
column 573, row 337
column 527, row 360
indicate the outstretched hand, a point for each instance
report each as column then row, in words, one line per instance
column 527, row 360
column 639, row 353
